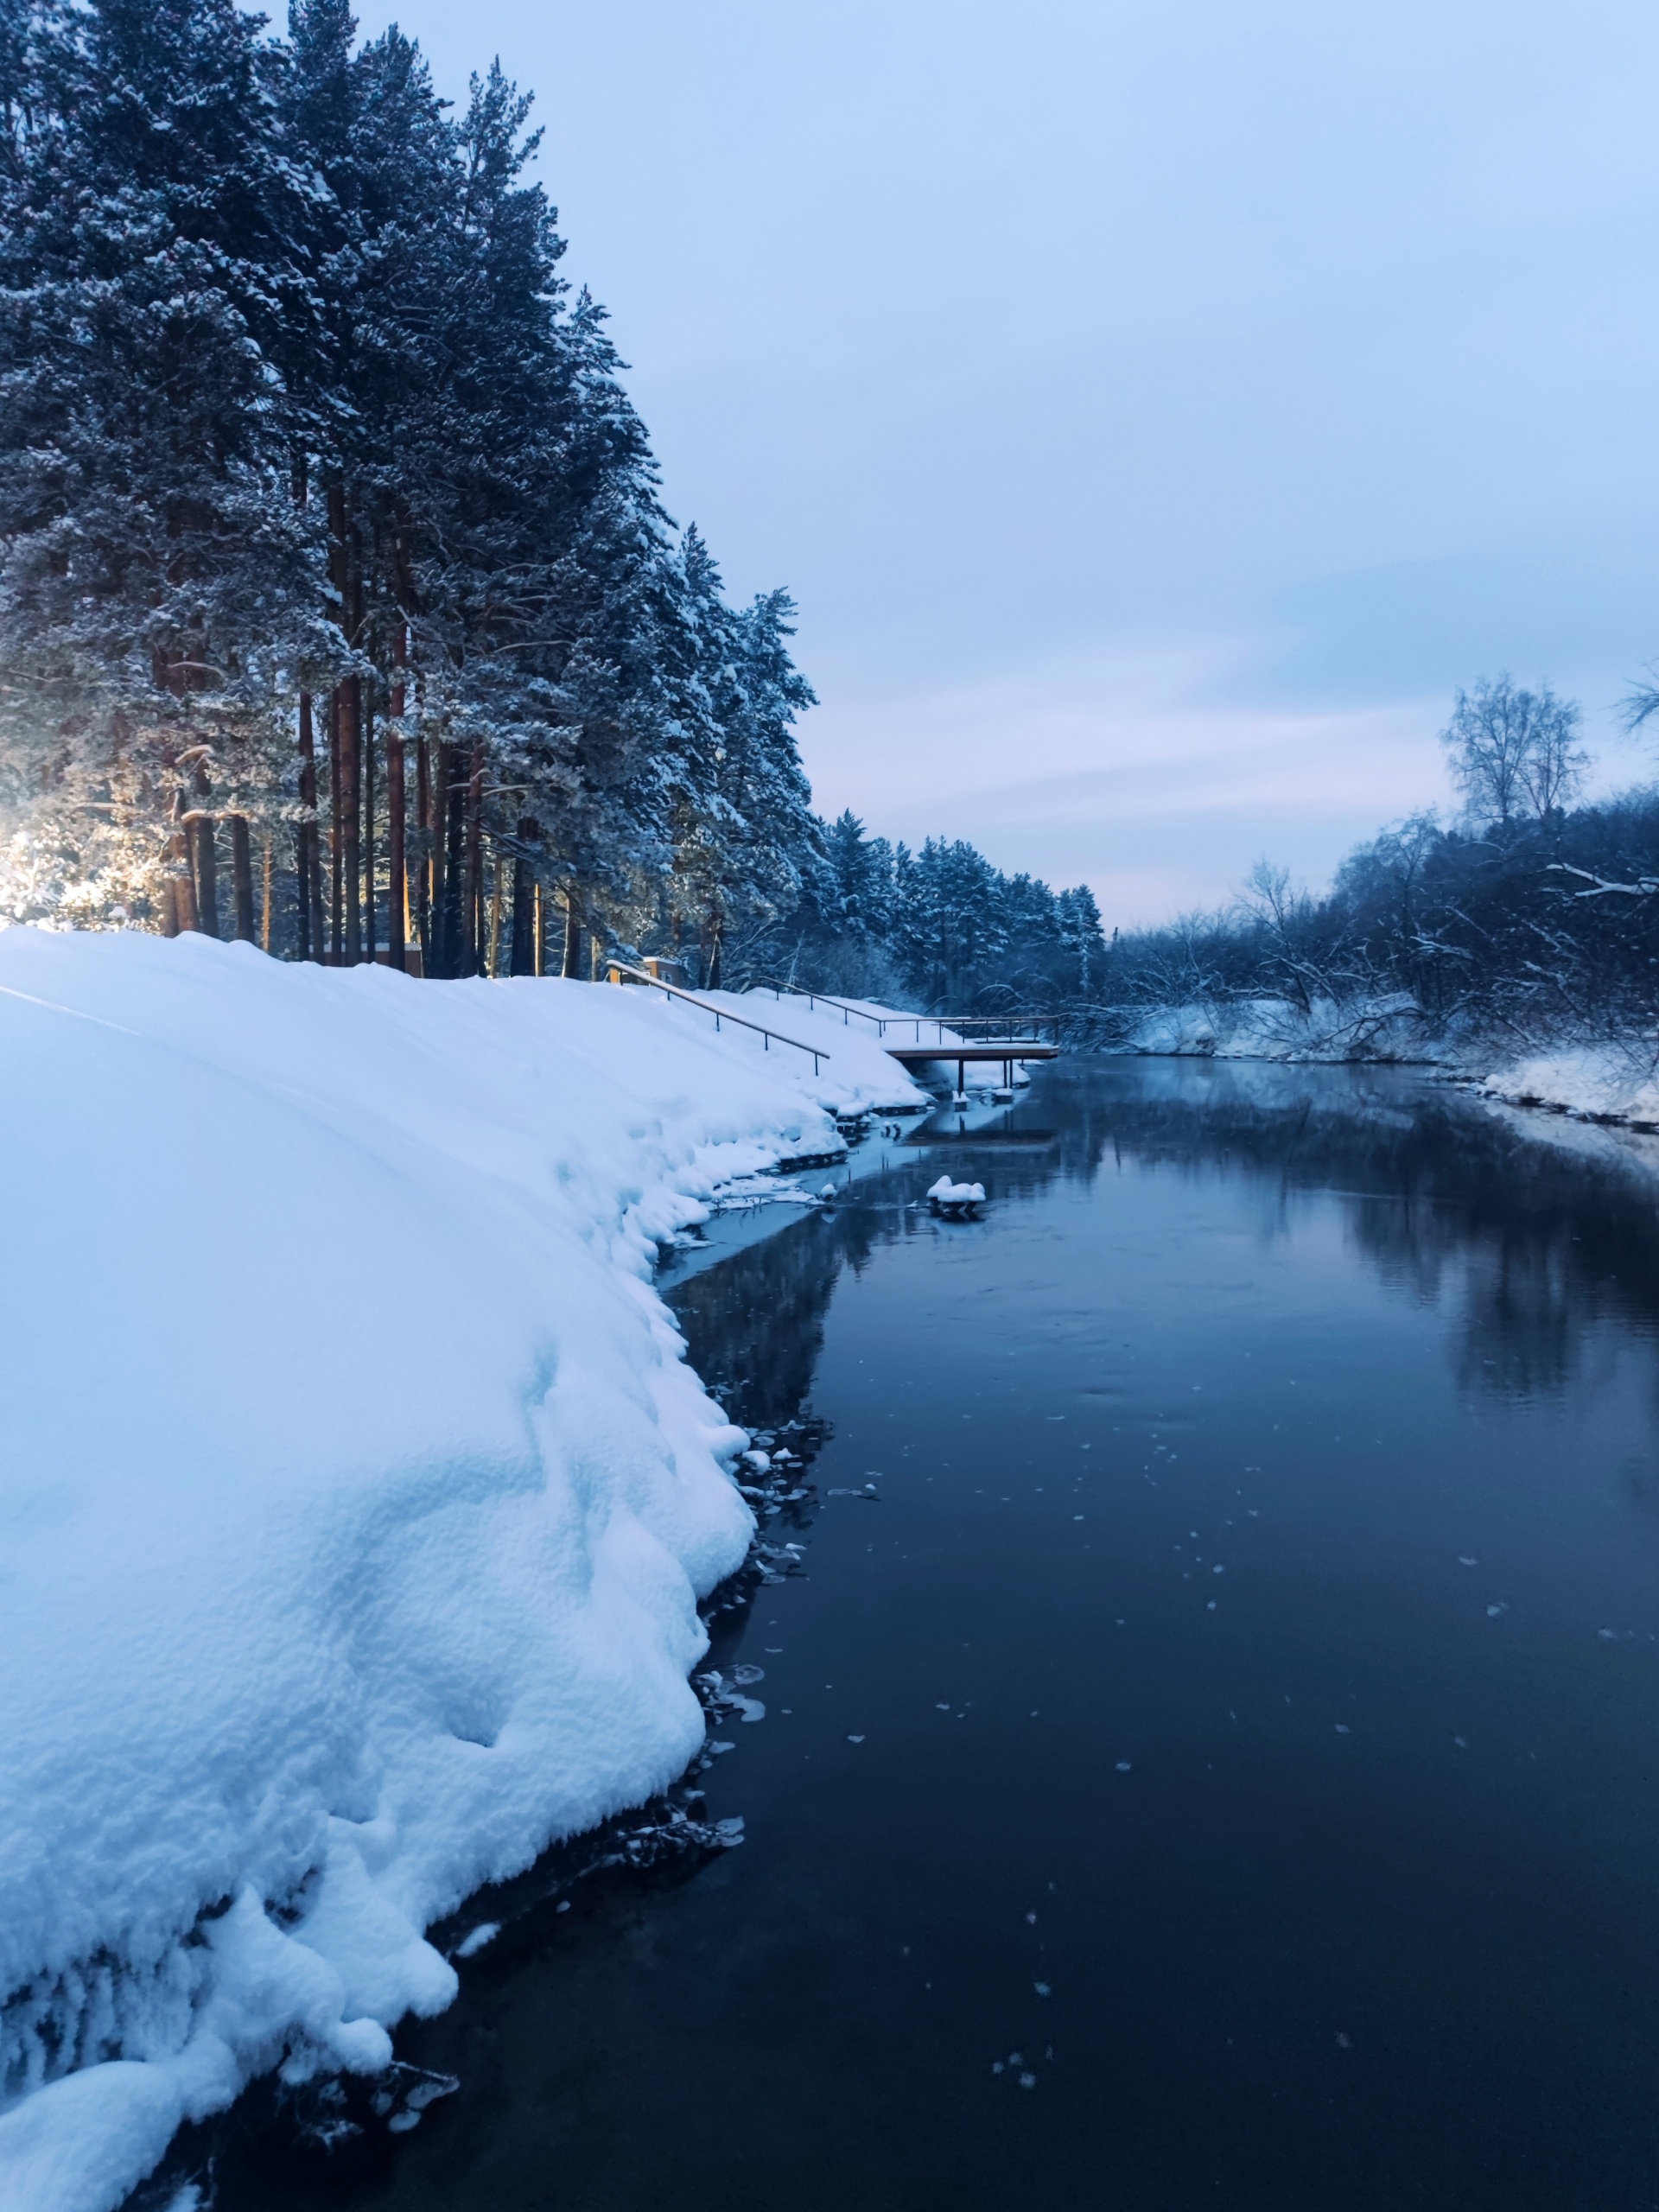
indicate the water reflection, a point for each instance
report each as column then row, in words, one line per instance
column 1238, row 1704
column 1528, row 1233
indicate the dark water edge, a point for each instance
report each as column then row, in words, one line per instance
column 1074, row 1872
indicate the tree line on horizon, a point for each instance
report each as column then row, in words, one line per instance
column 1531, row 916
column 940, row 928
column 340, row 609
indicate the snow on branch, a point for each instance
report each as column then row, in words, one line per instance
column 1600, row 887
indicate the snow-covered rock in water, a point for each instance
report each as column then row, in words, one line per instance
column 355, row 1493
column 944, row 1192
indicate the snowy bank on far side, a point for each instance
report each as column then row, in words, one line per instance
column 356, row 1494
column 1387, row 1028
column 1616, row 1083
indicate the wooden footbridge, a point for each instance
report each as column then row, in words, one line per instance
column 931, row 1037
column 1009, row 1050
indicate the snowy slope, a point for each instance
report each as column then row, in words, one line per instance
column 857, row 1058
column 354, row 1493
column 835, row 1024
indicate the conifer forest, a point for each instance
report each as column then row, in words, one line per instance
column 341, row 610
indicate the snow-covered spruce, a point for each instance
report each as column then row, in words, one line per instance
column 356, row 1494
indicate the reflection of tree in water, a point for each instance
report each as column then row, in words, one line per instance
column 1538, row 1231
column 1541, row 1231
column 754, row 1324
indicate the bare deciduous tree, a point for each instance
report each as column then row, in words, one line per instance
column 1515, row 752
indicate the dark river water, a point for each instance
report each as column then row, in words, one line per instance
column 1216, row 1765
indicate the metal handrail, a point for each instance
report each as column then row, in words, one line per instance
column 960, row 1025
column 721, row 1013
column 841, row 1006
column 883, row 1022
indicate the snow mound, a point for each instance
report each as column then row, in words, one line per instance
column 947, row 1193
column 355, row 1495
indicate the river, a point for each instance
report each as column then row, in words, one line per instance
column 1210, row 1743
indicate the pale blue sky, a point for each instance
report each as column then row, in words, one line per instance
column 1157, row 409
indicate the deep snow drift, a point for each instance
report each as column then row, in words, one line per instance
column 355, row 1493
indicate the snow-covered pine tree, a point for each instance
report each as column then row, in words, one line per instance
column 306, row 456
column 536, row 556
column 158, row 584
column 953, row 920
column 743, row 828
column 1083, row 941
column 386, row 159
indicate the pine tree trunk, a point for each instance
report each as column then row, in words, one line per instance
column 308, row 846
column 473, row 943
column 397, row 887
column 336, row 887
column 369, row 918
column 541, row 931
column 242, row 878
column 198, row 827
column 426, row 917
column 350, row 743
column 572, row 967
column 521, row 960
column 452, row 915
column 268, row 900
column 345, row 779
column 443, row 776
column 179, row 891
column 308, row 836
column 493, row 957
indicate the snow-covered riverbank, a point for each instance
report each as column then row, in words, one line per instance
column 1274, row 1029
column 1616, row 1081
column 356, row 1495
